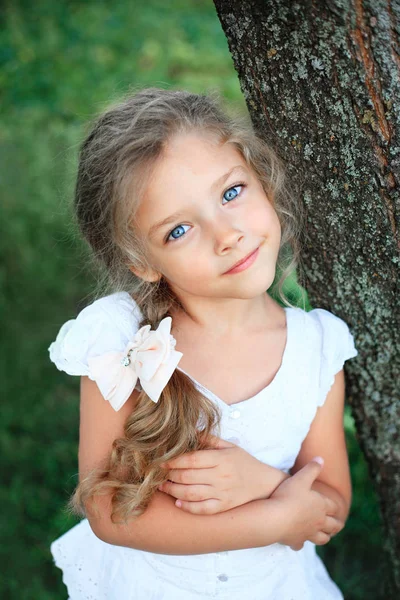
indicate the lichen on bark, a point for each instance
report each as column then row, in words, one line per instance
column 322, row 84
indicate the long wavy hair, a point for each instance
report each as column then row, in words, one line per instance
column 115, row 162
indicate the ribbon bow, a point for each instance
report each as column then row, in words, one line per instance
column 150, row 357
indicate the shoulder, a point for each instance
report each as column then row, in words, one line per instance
column 104, row 325
column 330, row 330
column 333, row 332
column 325, row 342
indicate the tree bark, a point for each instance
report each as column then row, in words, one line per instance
column 322, row 85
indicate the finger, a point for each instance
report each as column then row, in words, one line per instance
column 332, row 526
column 190, row 476
column 309, row 472
column 321, row 538
column 312, row 469
column 200, row 459
column 191, row 493
column 297, row 547
column 207, row 507
column 330, row 506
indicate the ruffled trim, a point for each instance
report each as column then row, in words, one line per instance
column 62, row 351
column 334, row 367
column 337, row 346
column 89, row 566
column 103, row 326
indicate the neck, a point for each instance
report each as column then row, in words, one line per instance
column 228, row 318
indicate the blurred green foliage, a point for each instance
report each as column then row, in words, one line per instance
column 61, row 62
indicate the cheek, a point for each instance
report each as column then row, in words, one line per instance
column 275, row 223
column 187, row 267
column 265, row 219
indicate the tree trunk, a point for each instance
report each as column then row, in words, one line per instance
column 322, row 84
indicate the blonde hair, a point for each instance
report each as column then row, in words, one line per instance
column 115, row 163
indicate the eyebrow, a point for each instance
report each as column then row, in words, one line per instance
column 172, row 218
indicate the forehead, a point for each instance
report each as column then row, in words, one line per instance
column 191, row 159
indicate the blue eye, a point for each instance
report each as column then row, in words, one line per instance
column 229, row 191
column 176, row 229
column 176, row 233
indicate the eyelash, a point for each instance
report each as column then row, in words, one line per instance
column 241, row 184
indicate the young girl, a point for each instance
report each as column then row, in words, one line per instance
column 203, row 400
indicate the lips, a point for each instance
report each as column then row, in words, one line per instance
column 241, row 260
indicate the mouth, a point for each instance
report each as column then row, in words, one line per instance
column 244, row 262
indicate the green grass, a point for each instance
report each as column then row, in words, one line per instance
column 60, row 63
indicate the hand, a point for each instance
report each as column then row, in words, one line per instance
column 309, row 513
column 218, row 479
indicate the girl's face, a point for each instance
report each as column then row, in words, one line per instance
column 204, row 210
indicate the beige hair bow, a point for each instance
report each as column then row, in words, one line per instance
column 150, row 357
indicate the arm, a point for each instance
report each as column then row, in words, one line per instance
column 326, row 438
column 273, row 477
column 163, row 528
column 251, row 479
column 166, row 529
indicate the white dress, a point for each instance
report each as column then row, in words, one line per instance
column 270, row 425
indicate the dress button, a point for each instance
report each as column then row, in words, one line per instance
column 223, row 577
column 235, row 414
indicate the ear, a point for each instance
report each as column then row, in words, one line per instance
column 149, row 275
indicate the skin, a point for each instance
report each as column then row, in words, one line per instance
column 218, row 479
column 218, row 229
column 229, row 315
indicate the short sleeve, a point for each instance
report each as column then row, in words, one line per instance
column 336, row 346
column 105, row 325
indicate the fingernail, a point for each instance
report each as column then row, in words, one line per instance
column 178, row 503
column 319, row 460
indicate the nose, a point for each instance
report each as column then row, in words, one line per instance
column 227, row 235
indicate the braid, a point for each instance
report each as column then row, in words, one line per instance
column 157, row 303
